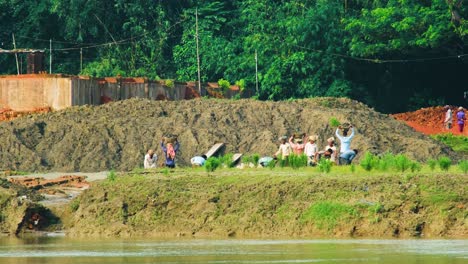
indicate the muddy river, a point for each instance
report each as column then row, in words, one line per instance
column 64, row 250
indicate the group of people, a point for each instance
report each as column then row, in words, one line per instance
column 296, row 145
column 460, row 116
column 170, row 150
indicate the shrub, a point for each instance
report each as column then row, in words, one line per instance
column 212, row 164
column 297, row 161
column 386, row 162
column 444, row 163
column 271, row 164
column 324, row 165
column 432, row 164
column 169, row 83
column 224, row 84
column 368, row 162
column 402, row 163
column 463, row 165
column 111, row 176
column 415, row 166
column 247, row 159
column 255, row 158
column 226, row 160
column 352, row 168
column 334, row 122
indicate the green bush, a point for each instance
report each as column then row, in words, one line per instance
column 432, row 164
column 224, row 84
column 324, row 165
column 415, row 166
column 272, row 164
column 255, row 158
column 334, row 122
column 111, row 176
column 457, row 143
column 169, row 83
column 463, row 165
column 352, row 168
column 226, row 160
column 402, row 163
column 386, row 162
column 297, row 161
column 247, row 159
column 212, row 164
column 445, row 163
column 368, row 162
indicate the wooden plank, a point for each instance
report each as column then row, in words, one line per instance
column 236, row 157
column 214, row 149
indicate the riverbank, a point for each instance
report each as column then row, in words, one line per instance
column 272, row 203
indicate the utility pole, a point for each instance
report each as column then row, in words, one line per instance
column 81, row 60
column 256, row 71
column 50, row 56
column 198, row 52
column 16, row 54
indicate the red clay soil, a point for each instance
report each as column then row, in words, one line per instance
column 430, row 120
column 8, row 114
column 63, row 181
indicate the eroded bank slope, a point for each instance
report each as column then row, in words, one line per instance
column 279, row 203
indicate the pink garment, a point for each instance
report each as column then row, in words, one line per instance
column 170, row 151
column 298, row 148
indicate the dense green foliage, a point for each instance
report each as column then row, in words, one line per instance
column 381, row 52
column 457, row 143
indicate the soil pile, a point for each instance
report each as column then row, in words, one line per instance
column 8, row 114
column 429, row 121
column 118, row 134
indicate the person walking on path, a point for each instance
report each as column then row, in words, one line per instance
column 150, row 160
column 448, row 118
column 461, row 119
column 346, row 153
column 170, row 152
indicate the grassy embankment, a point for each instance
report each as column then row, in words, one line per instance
column 457, row 143
column 279, row 202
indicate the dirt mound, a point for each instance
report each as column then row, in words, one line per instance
column 429, row 120
column 117, row 135
column 8, row 114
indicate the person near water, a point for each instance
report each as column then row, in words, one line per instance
column 297, row 144
column 284, row 149
column 310, row 149
column 329, row 151
column 198, row 161
column 170, row 151
column 448, row 118
column 346, row 153
column 150, row 160
column 461, row 119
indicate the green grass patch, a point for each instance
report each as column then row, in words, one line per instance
column 327, row 214
column 457, row 143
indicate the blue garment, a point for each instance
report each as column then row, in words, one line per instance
column 348, row 155
column 169, row 161
column 345, row 141
column 197, row 160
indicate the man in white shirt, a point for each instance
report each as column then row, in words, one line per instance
column 310, row 150
column 346, row 153
column 150, row 160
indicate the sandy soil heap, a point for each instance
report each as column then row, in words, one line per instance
column 117, row 135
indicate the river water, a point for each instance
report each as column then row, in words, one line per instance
column 73, row 251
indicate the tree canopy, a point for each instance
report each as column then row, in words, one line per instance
column 394, row 55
